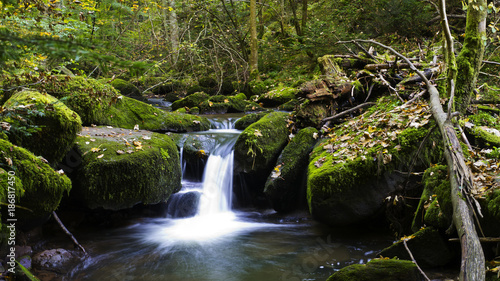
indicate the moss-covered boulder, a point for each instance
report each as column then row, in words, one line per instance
column 43, row 187
column 310, row 114
column 290, row 105
column 193, row 100
column 351, row 170
column 127, row 89
column 258, row 147
column 278, row 96
column 57, row 124
column 380, row 270
column 223, row 104
column 127, row 112
column 285, row 187
column 122, row 168
column 249, row 119
column 427, row 247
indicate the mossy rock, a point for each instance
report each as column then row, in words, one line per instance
column 197, row 88
column 249, row 119
column 310, row 114
column 380, row 270
column 193, row 100
column 290, row 105
column 256, row 151
column 43, row 187
column 222, row 104
column 483, row 130
column 11, row 190
column 285, row 187
column 115, row 174
column 427, row 246
column 58, row 125
column 162, row 85
column 127, row 89
column 278, row 96
column 127, row 113
column 351, row 171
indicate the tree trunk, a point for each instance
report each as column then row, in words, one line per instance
column 304, row 16
column 254, row 55
column 470, row 57
column 174, row 26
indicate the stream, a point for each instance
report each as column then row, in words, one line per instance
column 219, row 243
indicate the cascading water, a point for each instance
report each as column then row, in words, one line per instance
column 216, row 243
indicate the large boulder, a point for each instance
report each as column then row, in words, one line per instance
column 285, row 187
column 351, row 170
column 57, row 125
column 380, row 270
column 249, row 119
column 258, row 147
column 193, row 100
column 121, row 168
column 39, row 189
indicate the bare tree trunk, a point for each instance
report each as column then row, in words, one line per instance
column 254, row 55
column 470, row 57
column 174, row 27
column 304, row 16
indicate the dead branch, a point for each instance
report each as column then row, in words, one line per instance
column 414, row 261
column 348, row 111
column 68, row 233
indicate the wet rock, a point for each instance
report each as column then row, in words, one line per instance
column 183, row 205
column 380, row 270
column 57, row 260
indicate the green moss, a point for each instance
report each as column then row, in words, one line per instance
column 240, row 96
column 119, row 176
column 58, row 125
column 380, row 270
column 43, row 187
column 278, row 96
column 127, row 113
column 311, row 114
column 249, row 119
column 290, row 105
column 485, row 129
column 283, row 187
column 192, row 100
column 125, row 88
column 224, row 104
column 260, row 144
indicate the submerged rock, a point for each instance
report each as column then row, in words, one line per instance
column 57, row 124
column 56, row 260
column 285, row 187
column 183, row 205
column 122, row 168
column 380, row 270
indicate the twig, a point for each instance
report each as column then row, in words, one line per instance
column 348, row 111
column 369, row 92
column 414, row 261
column 464, row 137
column 67, row 232
column 364, row 50
column 390, row 87
column 414, row 98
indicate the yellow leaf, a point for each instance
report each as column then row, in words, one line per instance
column 210, row 103
column 371, row 129
column 95, row 149
column 226, row 101
column 137, row 143
column 257, row 133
